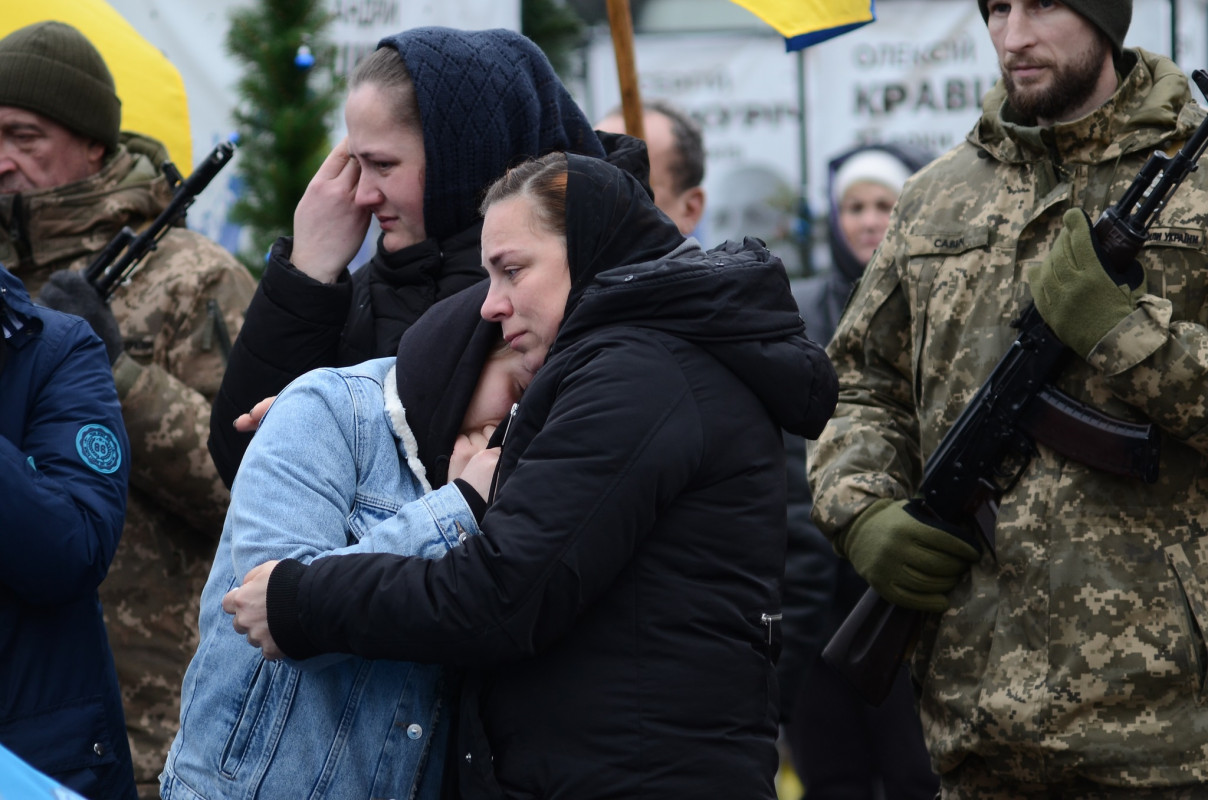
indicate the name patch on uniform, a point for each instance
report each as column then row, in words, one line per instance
column 1176, row 237
column 99, row 448
column 946, row 242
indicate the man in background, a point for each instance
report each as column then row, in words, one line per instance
column 69, row 181
column 677, row 160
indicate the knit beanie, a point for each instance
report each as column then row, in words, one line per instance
column 871, row 166
column 1110, row 16
column 51, row 69
column 487, row 101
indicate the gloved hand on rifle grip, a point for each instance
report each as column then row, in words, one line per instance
column 906, row 561
column 70, row 292
column 1073, row 292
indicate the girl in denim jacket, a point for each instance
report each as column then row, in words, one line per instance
column 354, row 482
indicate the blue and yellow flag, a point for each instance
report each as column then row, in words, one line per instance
column 806, row 22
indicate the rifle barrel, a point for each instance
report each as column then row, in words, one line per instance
column 109, row 269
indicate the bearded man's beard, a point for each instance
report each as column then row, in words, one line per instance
column 1073, row 83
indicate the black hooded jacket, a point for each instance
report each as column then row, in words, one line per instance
column 618, row 607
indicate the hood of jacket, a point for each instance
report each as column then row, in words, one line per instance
column 732, row 301
column 436, row 371
column 12, row 291
column 1152, row 105
column 630, row 266
column 49, row 229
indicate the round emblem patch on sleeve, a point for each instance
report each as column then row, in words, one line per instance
column 99, row 448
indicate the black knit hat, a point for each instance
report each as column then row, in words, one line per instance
column 1110, row 16
column 51, row 69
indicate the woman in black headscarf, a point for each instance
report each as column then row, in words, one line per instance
column 618, row 612
column 434, row 116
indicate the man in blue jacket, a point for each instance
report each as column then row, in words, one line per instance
column 64, row 469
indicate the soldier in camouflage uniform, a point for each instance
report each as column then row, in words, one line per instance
column 176, row 317
column 1074, row 664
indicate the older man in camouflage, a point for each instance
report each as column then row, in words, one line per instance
column 68, row 183
column 1073, row 664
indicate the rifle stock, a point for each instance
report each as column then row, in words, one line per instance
column 1017, row 406
column 872, row 643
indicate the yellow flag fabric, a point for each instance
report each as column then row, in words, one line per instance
column 150, row 87
column 806, row 22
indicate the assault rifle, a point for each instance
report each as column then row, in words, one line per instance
column 105, row 273
column 989, row 446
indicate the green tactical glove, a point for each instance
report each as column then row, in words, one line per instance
column 909, row 563
column 1074, row 293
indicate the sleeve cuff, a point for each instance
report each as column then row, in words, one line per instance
column 125, row 372
column 1134, row 339
column 292, row 289
column 282, row 253
column 473, row 499
column 281, row 602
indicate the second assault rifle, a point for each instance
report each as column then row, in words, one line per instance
column 107, row 271
column 989, row 446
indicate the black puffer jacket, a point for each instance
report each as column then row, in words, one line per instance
column 617, row 604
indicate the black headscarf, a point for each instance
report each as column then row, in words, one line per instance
column 611, row 221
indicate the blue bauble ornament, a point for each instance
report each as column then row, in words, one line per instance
column 304, row 58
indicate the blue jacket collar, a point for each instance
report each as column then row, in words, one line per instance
column 18, row 316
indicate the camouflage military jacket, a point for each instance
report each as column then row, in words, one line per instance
column 186, row 297
column 1081, row 650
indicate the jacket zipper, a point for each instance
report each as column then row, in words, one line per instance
column 769, row 622
column 507, row 427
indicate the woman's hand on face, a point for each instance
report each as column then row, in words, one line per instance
column 328, row 225
column 249, row 605
column 465, row 448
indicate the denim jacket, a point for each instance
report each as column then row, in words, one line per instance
column 333, row 469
